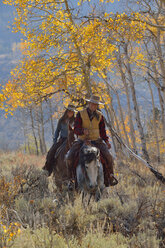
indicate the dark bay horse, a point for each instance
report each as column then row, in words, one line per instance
column 60, row 172
column 89, row 171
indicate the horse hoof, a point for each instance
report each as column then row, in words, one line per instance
column 71, row 186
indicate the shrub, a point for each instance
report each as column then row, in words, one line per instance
column 8, row 234
column 39, row 238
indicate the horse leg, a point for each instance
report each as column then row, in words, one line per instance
column 83, row 195
column 83, row 199
column 90, row 196
column 98, row 195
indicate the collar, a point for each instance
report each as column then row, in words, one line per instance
column 92, row 114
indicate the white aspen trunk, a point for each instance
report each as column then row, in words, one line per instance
column 110, row 121
column 28, row 145
column 154, row 123
column 132, row 130
column 162, row 110
column 42, row 129
column 113, row 117
column 111, row 113
column 122, row 119
column 162, row 102
column 51, row 118
column 159, row 88
column 39, row 132
column 33, row 131
column 24, row 129
column 161, row 60
column 136, row 108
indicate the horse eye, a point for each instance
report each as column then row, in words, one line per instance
column 86, row 166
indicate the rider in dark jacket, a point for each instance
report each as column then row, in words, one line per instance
column 60, row 136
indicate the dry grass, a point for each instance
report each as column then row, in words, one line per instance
column 131, row 214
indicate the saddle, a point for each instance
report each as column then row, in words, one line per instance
column 61, row 147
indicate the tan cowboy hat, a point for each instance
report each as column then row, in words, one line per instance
column 71, row 108
column 94, row 99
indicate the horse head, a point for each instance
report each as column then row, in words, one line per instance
column 90, row 165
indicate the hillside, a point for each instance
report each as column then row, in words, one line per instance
column 35, row 214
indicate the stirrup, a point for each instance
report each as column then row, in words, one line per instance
column 71, row 185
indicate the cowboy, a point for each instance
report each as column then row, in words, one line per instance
column 60, row 136
column 89, row 125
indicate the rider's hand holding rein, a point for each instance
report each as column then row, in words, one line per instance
column 86, row 132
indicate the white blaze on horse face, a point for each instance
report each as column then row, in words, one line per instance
column 92, row 169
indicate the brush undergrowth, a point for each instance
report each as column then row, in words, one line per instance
column 34, row 213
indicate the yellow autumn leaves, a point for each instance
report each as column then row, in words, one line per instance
column 63, row 51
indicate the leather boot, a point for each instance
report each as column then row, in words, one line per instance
column 71, row 183
column 112, row 180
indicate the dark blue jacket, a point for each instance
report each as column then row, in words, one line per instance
column 62, row 130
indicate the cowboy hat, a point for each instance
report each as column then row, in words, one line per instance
column 71, row 108
column 94, row 99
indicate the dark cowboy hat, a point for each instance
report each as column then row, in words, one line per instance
column 71, row 108
column 94, row 99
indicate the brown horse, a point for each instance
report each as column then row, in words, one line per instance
column 60, row 171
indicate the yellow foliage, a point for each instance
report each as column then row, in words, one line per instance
column 8, row 233
column 2, row 98
column 9, row 190
column 61, row 54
